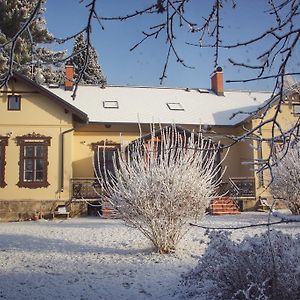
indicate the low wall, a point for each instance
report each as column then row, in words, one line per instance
column 30, row 210
column 26, row 210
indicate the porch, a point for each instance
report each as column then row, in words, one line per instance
column 87, row 191
column 241, row 190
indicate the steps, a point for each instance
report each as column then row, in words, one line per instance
column 108, row 212
column 223, row 206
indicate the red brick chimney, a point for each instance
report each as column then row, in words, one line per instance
column 217, row 84
column 69, row 77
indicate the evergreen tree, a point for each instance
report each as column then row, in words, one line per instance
column 93, row 72
column 27, row 53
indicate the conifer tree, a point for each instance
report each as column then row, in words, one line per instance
column 27, row 53
column 93, row 72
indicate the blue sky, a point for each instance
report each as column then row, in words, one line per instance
column 144, row 65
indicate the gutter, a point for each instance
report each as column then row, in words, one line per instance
column 62, row 157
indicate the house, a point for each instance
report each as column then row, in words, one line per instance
column 48, row 139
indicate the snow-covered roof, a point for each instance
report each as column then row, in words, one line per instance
column 125, row 104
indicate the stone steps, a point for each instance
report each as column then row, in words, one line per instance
column 224, row 206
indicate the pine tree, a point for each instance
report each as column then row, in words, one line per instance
column 93, row 72
column 27, row 53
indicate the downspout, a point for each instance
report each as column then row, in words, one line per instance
column 62, row 158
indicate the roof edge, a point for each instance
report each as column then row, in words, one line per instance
column 75, row 111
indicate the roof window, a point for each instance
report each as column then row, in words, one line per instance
column 53, row 85
column 175, row 106
column 110, row 104
column 202, row 91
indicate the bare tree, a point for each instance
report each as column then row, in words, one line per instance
column 157, row 185
column 286, row 182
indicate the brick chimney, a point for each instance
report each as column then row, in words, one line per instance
column 217, row 84
column 69, row 77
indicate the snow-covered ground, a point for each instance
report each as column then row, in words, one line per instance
column 93, row 258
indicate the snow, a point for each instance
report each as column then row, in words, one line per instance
column 147, row 105
column 93, row 258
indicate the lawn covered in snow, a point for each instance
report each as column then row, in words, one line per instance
column 93, row 258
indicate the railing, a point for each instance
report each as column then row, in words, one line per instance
column 85, row 188
column 89, row 188
column 242, row 187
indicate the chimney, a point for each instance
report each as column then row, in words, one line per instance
column 69, row 77
column 217, row 81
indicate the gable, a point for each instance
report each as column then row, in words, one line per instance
column 37, row 105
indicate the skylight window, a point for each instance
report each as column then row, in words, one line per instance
column 110, row 104
column 175, row 106
column 202, row 91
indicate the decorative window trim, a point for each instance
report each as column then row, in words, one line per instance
column 8, row 101
column 3, row 144
column 106, row 143
column 33, row 139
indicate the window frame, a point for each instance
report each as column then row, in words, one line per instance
column 8, row 102
column 296, row 113
column 98, row 148
column 3, row 144
column 261, row 179
column 110, row 104
column 33, row 140
column 175, row 106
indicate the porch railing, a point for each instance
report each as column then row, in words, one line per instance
column 85, row 188
column 242, row 187
column 238, row 187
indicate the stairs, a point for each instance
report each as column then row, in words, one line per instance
column 223, row 206
column 108, row 212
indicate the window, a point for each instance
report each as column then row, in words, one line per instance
column 33, row 160
column 202, row 91
column 175, row 106
column 110, row 104
column 3, row 143
column 259, row 160
column 296, row 109
column 14, row 102
column 104, row 153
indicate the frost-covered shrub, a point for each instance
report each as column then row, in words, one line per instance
column 286, row 180
column 160, row 182
column 245, row 270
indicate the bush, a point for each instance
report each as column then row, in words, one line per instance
column 159, row 183
column 285, row 184
column 244, row 271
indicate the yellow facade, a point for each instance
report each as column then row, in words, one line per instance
column 70, row 153
column 38, row 115
column 287, row 119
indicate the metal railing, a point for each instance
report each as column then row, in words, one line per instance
column 242, row 187
column 85, row 188
column 89, row 188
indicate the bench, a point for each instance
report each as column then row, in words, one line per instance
column 61, row 211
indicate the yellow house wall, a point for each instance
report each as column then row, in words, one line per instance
column 92, row 133
column 286, row 119
column 42, row 116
